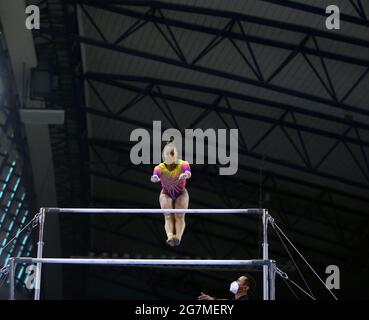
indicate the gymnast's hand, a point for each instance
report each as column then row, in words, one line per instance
column 204, row 296
column 183, row 176
column 155, row 178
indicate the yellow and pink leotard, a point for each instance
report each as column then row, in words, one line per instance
column 170, row 183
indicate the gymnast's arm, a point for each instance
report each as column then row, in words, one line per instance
column 186, row 171
column 156, row 174
column 204, row 296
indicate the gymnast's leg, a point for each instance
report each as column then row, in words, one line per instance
column 180, row 203
column 166, row 202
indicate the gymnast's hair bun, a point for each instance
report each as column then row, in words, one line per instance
column 170, row 140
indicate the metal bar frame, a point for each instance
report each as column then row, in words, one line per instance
column 123, row 9
column 152, row 211
column 40, row 245
column 218, row 73
column 318, row 11
column 256, row 155
column 146, row 262
column 11, row 278
column 268, row 283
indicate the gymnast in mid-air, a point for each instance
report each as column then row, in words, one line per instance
column 173, row 173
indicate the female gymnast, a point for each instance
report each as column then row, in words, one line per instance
column 173, row 173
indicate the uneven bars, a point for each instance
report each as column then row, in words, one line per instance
column 144, row 211
column 262, row 212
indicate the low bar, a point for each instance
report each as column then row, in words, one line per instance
column 153, row 211
column 145, row 262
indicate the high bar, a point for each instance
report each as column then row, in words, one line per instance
column 153, row 211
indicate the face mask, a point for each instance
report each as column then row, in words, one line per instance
column 234, row 287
